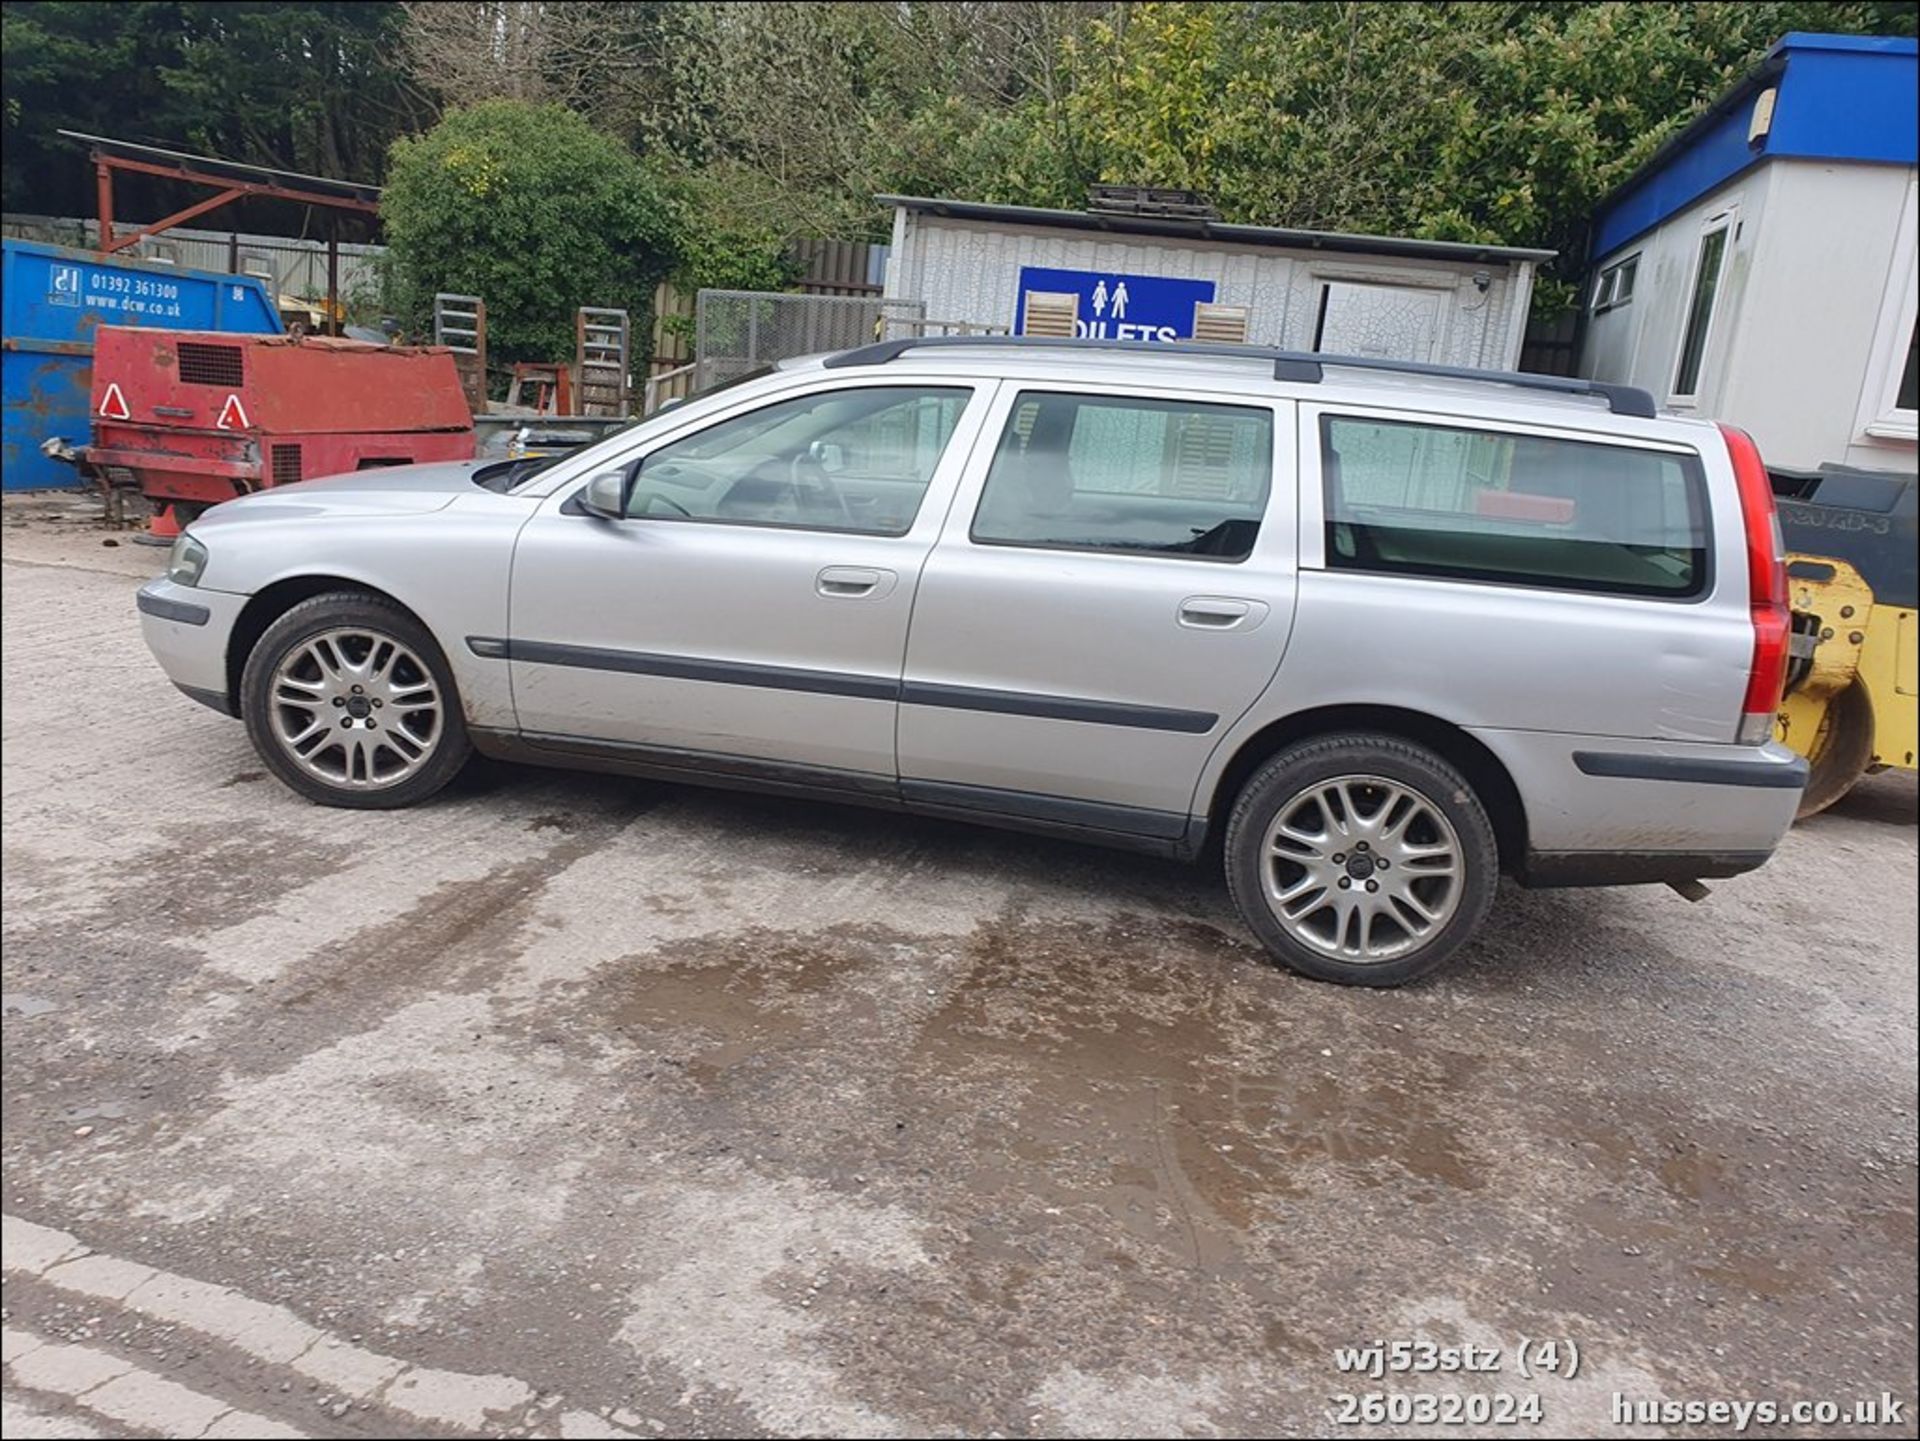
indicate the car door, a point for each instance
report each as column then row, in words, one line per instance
column 751, row 600
column 1112, row 589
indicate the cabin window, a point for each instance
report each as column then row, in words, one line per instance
column 1709, row 271
column 1890, row 398
column 1614, row 286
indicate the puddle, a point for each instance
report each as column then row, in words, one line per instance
column 1123, row 1071
column 1152, row 1045
column 735, row 1001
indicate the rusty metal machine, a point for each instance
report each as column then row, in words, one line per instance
column 192, row 418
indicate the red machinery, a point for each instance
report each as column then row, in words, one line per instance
column 192, row 418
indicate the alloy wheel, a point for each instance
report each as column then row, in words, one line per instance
column 1361, row 868
column 355, row 708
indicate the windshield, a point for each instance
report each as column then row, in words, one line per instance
column 504, row 475
column 511, row 474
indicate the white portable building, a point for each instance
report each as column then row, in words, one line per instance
column 1154, row 277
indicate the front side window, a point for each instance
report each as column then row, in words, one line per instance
column 852, row 460
column 1529, row 510
column 1160, row 477
column 1706, row 289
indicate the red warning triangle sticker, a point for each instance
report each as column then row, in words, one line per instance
column 232, row 416
column 113, row 405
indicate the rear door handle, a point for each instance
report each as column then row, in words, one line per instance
column 1220, row 612
column 854, row 582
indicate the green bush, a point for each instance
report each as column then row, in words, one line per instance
column 530, row 208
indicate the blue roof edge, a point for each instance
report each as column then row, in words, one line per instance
column 1705, row 145
column 1870, row 44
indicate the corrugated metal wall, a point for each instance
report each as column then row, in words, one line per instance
column 289, row 266
column 970, row 270
column 836, row 267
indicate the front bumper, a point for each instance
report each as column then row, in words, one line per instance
column 187, row 630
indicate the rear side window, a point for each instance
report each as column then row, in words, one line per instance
column 1160, row 477
column 1417, row 499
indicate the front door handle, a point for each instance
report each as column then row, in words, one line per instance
column 1220, row 612
column 854, row 582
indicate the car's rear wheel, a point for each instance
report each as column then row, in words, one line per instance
column 348, row 699
column 1362, row 859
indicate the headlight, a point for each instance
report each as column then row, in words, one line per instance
column 187, row 559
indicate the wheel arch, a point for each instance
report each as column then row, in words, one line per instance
column 1483, row 769
column 271, row 602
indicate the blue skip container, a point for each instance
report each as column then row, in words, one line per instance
column 54, row 299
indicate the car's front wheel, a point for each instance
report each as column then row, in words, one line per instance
column 348, row 699
column 1362, row 859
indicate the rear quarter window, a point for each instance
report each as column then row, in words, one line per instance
column 1411, row 498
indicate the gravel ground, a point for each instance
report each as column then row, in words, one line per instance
column 699, row 1113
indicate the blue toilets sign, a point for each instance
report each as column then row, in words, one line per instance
column 1147, row 308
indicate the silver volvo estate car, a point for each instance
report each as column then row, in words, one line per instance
column 1374, row 632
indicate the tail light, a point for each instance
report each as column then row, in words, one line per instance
column 1766, row 589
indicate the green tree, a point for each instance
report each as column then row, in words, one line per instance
column 53, row 57
column 1504, row 122
column 310, row 87
column 803, row 111
column 532, row 209
column 723, row 245
column 316, row 87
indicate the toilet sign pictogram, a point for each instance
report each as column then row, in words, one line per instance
column 1147, row 308
column 113, row 405
column 232, row 415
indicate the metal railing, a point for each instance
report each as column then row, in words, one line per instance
column 603, row 342
column 460, row 324
column 1299, row 366
column 675, row 384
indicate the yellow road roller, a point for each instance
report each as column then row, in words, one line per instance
column 1851, row 704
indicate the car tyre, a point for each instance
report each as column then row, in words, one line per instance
column 325, row 669
column 1361, row 859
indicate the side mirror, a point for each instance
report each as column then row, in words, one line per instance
column 829, row 456
column 606, row 495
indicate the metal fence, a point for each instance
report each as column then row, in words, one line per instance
column 825, row 267
column 737, row 331
column 288, row 266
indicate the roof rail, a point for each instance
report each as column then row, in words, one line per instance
column 1301, row 367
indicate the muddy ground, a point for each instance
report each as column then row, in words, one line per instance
column 711, row 1114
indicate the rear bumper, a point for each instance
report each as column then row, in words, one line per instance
column 1752, row 768
column 1603, row 811
column 1545, row 869
column 186, row 628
